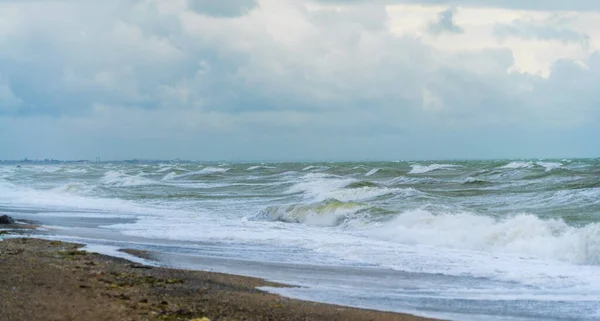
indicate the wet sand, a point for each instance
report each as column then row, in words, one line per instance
column 50, row 280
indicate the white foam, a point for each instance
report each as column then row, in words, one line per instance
column 421, row 169
column 115, row 251
column 328, row 213
column 164, row 168
column 549, row 166
column 319, row 187
column 204, row 171
column 522, row 234
column 517, row 165
column 120, row 179
column 169, row 176
column 372, row 172
column 48, row 169
column 76, row 171
column 308, row 168
column 252, row 168
column 74, row 188
column 60, row 199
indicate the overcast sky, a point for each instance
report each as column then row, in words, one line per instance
column 299, row 80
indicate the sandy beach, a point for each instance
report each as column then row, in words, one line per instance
column 53, row 280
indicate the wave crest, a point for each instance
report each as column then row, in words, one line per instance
column 320, row 187
column 330, row 212
column 523, row 234
column 517, row 165
column 421, row 169
column 121, row 179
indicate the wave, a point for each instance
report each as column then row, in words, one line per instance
column 403, row 180
column 549, row 166
column 204, row 171
column 313, row 167
column 65, row 198
column 421, row 169
column 76, row 171
column 121, row 179
column 212, row 170
column 49, row 169
column 73, row 188
column 372, row 172
column 169, row 176
column 164, row 168
column 523, row 235
column 320, row 187
column 517, row 165
column 330, row 212
column 252, row 168
column 475, row 181
column 361, row 184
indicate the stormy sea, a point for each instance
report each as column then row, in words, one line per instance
column 459, row 240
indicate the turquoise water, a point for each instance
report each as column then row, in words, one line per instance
column 516, row 238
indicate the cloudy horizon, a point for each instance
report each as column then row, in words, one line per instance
column 299, row 80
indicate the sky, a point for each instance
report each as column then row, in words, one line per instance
column 299, row 80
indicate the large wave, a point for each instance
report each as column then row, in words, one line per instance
column 522, row 234
column 330, row 212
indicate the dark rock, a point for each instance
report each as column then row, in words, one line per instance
column 5, row 219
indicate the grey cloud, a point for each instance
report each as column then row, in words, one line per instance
column 8, row 100
column 564, row 5
column 528, row 30
column 445, row 23
column 222, row 8
column 151, row 89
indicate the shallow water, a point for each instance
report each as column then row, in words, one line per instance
column 505, row 240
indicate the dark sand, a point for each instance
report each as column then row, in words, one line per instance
column 48, row 280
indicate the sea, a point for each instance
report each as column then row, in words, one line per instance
column 458, row 240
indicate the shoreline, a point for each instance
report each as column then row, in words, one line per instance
column 58, row 281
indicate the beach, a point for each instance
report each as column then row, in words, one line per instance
column 54, row 280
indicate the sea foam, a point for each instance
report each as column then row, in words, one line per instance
column 421, row 169
column 523, row 234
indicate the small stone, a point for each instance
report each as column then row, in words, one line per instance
column 5, row 219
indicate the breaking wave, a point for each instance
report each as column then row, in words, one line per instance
column 361, row 184
column 517, row 165
column 190, row 175
column 549, row 166
column 252, row 168
column 476, row 181
column 320, row 187
column 372, row 172
column 421, row 169
column 523, row 235
column 329, row 212
column 121, row 179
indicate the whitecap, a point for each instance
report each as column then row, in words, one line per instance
column 522, row 234
column 372, row 172
column 252, row 168
column 517, row 165
column 549, row 166
column 421, row 169
column 121, row 179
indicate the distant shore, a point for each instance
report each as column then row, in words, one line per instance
column 52, row 280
